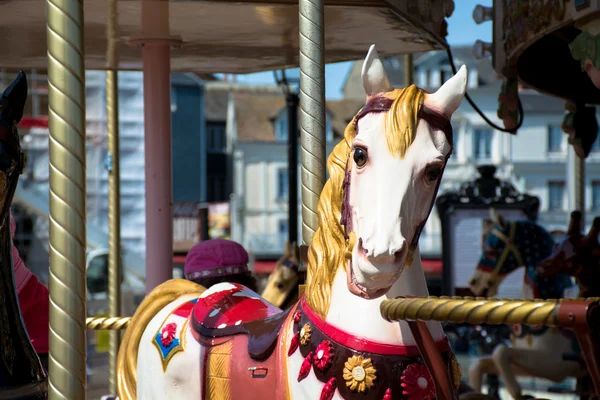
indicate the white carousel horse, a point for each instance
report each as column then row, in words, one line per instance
column 185, row 342
column 536, row 351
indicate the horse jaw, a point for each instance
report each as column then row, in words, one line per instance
column 361, row 317
column 479, row 283
column 374, row 77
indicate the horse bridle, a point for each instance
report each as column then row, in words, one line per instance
column 509, row 248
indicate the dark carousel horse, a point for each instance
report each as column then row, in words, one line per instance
column 578, row 256
column 21, row 373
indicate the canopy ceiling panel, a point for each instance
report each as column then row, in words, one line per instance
column 230, row 37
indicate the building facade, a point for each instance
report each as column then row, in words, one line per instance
column 257, row 137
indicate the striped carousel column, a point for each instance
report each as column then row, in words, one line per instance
column 67, row 283
column 312, row 112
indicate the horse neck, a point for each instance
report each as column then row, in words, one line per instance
column 533, row 242
column 361, row 317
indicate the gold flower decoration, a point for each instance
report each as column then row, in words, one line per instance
column 305, row 334
column 359, row 373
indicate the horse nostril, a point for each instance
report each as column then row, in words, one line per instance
column 279, row 285
column 472, row 282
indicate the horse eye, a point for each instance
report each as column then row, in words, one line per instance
column 433, row 172
column 360, row 157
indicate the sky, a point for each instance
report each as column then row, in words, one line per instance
column 462, row 30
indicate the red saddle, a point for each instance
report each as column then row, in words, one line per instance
column 227, row 309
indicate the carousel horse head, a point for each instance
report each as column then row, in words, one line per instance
column 577, row 255
column 509, row 246
column 283, row 281
column 384, row 176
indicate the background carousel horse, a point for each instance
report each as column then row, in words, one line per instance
column 282, row 287
column 227, row 342
column 578, row 256
column 536, row 351
column 21, row 373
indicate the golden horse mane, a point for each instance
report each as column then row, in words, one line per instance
column 329, row 248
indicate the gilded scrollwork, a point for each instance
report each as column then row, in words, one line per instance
column 523, row 19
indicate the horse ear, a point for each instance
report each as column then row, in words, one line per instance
column 574, row 223
column 12, row 101
column 374, row 78
column 595, row 229
column 448, row 97
column 286, row 249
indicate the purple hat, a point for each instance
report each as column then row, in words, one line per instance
column 215, row 257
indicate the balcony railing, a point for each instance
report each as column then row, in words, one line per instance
column 187, row 225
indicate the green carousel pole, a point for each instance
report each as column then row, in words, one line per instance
column 67, row 283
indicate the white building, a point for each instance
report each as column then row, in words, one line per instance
column 34, row 184
column 535, row 160
column 257, row 131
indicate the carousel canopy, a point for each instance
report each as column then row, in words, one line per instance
column 535, row 40
column 226, row 36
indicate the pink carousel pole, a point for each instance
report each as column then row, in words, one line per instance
column 156, row 57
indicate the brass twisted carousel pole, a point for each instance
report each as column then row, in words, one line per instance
column 582, row 316
column 108, row 324
column 67, row 283
column 312, row 111
column 472, row 310
column 114, row 189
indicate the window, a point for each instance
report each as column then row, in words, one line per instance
column 455, row 142
column 555, row 139
column 482, row 144
column 445, row 74
column 282, row 184
column 556, row 191
column 281, row 126
column 282, row 227
column 216, row 137
column 596, row 144
column 596, row 195
column 216, row 188
column 328, row 128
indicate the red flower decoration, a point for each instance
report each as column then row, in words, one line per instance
column 168, row 334
column 297, row 316
column 305, row 367
column 328, row 390
column 323, row 355
column 417, row 383
column 388, row 394
column 294, row 344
